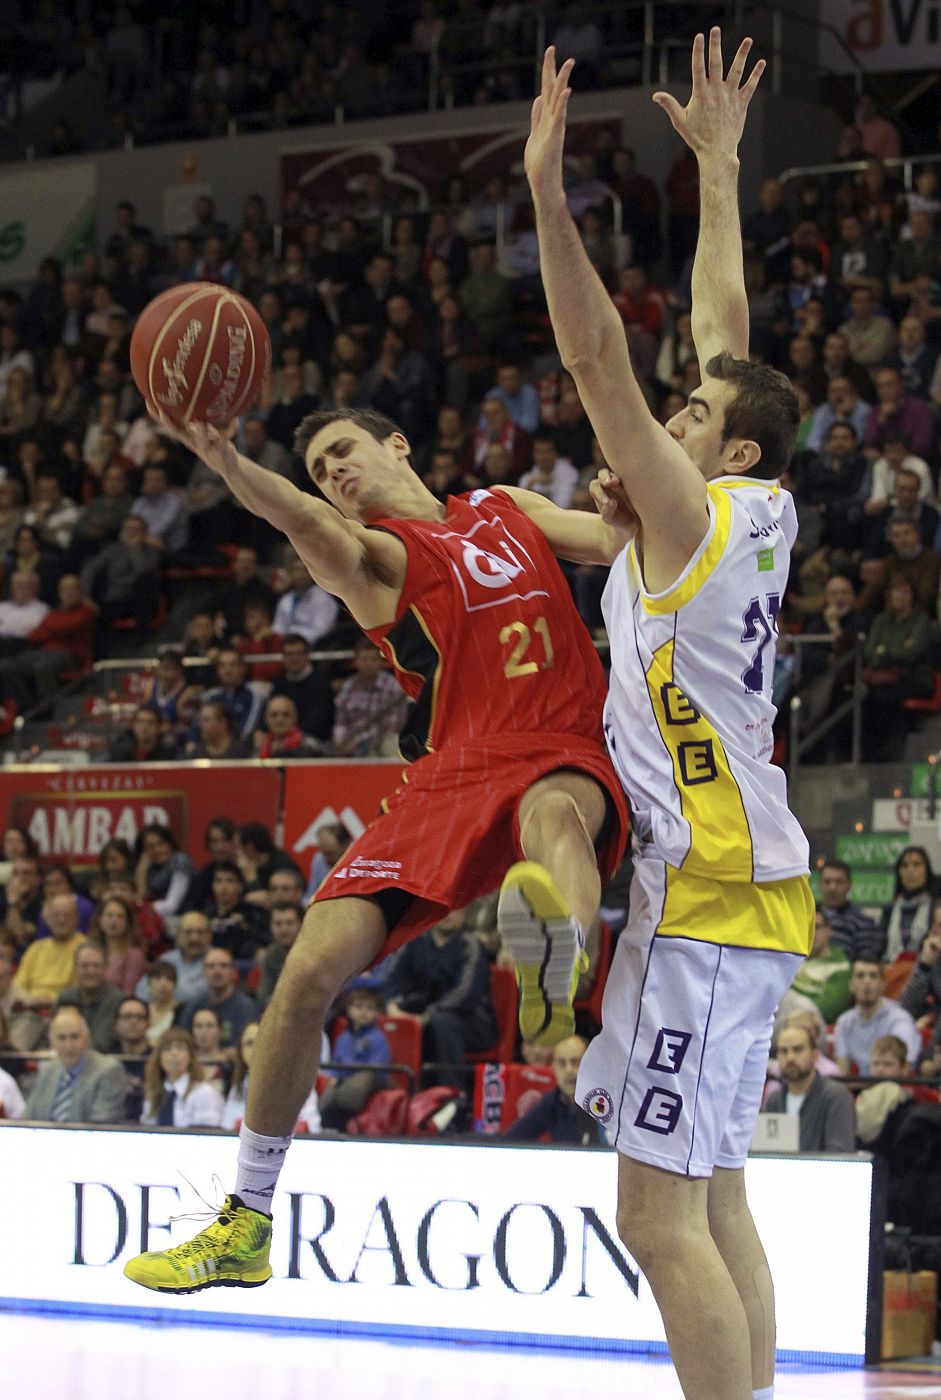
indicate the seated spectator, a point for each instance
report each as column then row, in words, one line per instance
column 444, row 978
column 12, row 1103
column 30, row 556
column 11, row 512
column 20, row 407
column 145, row 742
column 58, row 879
column 20, row 617
column 914, row 257
column 176, row 1094
column 370, row 706
column 244, row 586
column 163, row 870
column 897, row 661
column 929, row 1066
column 115, row 933
column 201, row 644
column 51, row 512
column 905, row 922
column 363, row 1044
column 61, row 643
column 163, row 510
column 207, row 1037
column 258, row 857
column 243, row 699
column 308, row 687
column 843, row 405
column 838, row 363
column 851, row 929
column 907, row 507
column 332, row 840
column 824, row 1108
column 899, row 414
column 234, row 1007
column 305, row 610
column 219, row 841
column 556, row 1117
column 152, row 930
column 907, row 558
column 857, row 264
column 21, row 902
column 96, row 998
column 218, row 736
column 46, row 968
column 922, row 992
column 265, row 450
column 887, row 472
column 889, row 1055
column 170, row 691
column 114, row 860
column 161, row 982
column 551, row 476
column 283, row 736
column 444, row 478
column 915, row 360
column 486, row 295
column 642, row 309
column 833, row 481
column 858, row 1029
column 193, row 937
column 237, row 1098
column 286, row 918
column 260, row 639
column 236, row 925
column 78, row 1085
column 496, row 426
column 121, row 580
column 519, row 398
column 825, row 976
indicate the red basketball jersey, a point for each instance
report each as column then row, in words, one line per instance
column 487, row 640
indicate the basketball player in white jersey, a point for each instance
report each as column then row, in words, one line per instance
column 721, row 913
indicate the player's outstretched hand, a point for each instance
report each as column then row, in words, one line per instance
column 542, row 158
column 712, row 121
column 212, row 445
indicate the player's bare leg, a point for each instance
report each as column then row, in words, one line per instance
column 337, row 939
column 663, row 1220
column 733, row 1229
column 548, row 900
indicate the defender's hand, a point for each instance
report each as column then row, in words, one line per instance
column 713, row 120
column 542, row 158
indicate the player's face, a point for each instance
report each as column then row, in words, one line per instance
column 698, row 427
column 356, row 473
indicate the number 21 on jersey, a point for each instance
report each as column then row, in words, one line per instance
column 526, row 658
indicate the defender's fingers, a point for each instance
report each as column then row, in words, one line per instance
column 715, row 54
column 747, row 89
column 548, row 71
column 699, row 64
column 738, row 62
column 670, row 105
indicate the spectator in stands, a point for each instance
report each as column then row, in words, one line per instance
column 99, row 522
column 12, row 1103
column 486, row 295
column 915, row 360
column 444, row 978
column 767, row 231
column 20, row 406
column 20, row 617
column 838, row 363
column 852, row 930
column 163, row 870
column 201, row 645
column 219, row 841
column 161, row 982
column 519, row 398
column 825, row 1108
column 905, row 922
column 145, row 742
column 193, row 937
column 888, row 1058
column 30, row 557
column 929, row 1066
column 872, row 1016
column 50, row 511
column 61, row 643
column 643, row 310
column 58, row 879
column 234, row 1007
column 887, row 480
column 243, row 699
column 922, row 992
column 550, row 475
column 265, row 450
column 207, row 1037
column 22, row 902
column 11, row 512
column 496, row 427
column 122, row 579
column 858, row 264
column 96, row 997
column 283, row 736
column 898, row 413
column 305, row 610
column 218, row 735
column 234, row 923
column 307, row 687
column 234, row 1112
column 825, row 977
column 175, row 1088
column 363, row 1044
column 906, row 558
column 169, row 691
column 115, row 933
column 556, row 1117
column 370, row 706
column 47, row 965
column 163, row 510
column 879, row 137
column 897, row 657
column 286, row 916
column 243, row 587
column 259, row 639
column 78, row 1085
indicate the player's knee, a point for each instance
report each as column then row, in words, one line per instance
column 552, row 815
column 637, row 1236
column 310, row 983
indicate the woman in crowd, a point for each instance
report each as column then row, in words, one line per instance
column 17, row 842
column 163, row 870
column 114, row 929
column 29, row 557
column 161, row 984
column 207, row 1038
column 234, row 1110
column 905, row 921
column 176, row 1094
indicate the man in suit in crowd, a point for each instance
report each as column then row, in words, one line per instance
column 78, row 1085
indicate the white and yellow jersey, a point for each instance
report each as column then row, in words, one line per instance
column 689, row 715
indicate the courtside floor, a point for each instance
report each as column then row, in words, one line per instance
column 68, row 1358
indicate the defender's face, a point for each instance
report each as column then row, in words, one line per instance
column 356, row 473
column 698, row 427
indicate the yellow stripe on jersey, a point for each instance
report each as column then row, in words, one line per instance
column 735, row 483
column 778, row 916
column 710, row 799
column 688, row 587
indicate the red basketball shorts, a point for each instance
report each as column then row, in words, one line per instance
column 450, row 832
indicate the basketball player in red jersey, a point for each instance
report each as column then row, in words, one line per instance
column 469, row 604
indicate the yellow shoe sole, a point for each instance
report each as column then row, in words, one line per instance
column 537, row 928
column 252, row 1279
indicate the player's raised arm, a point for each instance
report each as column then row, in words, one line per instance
column 664, row 488
column 581, row 536
column 711, row 124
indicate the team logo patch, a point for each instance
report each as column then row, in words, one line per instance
column 598, row 1104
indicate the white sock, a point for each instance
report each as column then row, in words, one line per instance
column 766, row 1394
column 259, row 1165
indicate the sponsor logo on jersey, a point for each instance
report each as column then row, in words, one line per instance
column 492, row 568
column 765, row 559
column 660, row 1112
column 669, row 1051
column 598, row 1103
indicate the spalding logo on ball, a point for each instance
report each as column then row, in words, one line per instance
column 200, row 353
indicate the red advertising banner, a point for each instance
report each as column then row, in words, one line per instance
column 72, row 813
column 318, row 793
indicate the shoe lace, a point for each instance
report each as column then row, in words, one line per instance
column 217, row 1213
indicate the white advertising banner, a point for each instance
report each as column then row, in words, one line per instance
column 48, row 211
column 503, row 1244
column 882, row 35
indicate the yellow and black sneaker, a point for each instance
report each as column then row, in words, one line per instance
column 232, row 1252
column 537, row 927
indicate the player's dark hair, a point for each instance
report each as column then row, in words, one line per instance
column 376, row 424
column 764, row 410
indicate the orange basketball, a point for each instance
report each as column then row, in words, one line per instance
column 201, row 353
